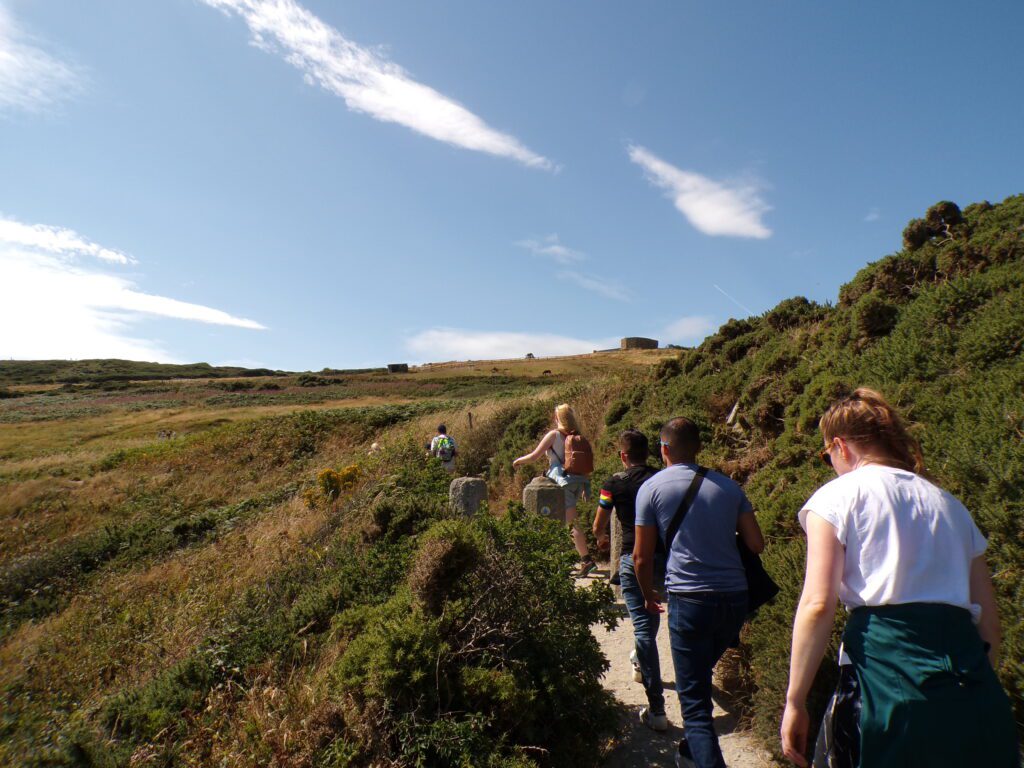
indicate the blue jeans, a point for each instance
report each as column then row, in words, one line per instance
column 701, row 626
column 645, row 629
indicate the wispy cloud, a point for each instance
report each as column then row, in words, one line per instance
column 367, row 81
column 32, row 80
column 550, row 247
column 688, row 330
column 56, row 302
column 873, row 215
column 599, row 285
column 57, row 241
column 437, row 344
column 715, row 208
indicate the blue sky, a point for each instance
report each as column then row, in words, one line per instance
column 301, row 185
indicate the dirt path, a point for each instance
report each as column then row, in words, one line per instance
column 643, row 747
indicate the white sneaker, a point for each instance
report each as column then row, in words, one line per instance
column 652, row 721
column 638, row 676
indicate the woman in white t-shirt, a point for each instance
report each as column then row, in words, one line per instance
column 922, row 637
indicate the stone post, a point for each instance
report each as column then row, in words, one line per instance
column 466, row 493
column 545, row 497
column 613, row 555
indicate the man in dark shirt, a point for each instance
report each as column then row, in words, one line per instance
column 619, row 494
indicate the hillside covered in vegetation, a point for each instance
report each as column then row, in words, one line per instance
column 938, row 328
column 224, row 572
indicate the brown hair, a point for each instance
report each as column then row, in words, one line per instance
column 683, row 439
column 866, row 419
column 633, row 443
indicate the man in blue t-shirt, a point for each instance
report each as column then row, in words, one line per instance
column 704, row 579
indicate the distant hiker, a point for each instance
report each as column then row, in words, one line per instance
column 697, row 513
column 470, row 415
column 618, row 495
column 922, row 637
column 570, row 462
column 443, row 447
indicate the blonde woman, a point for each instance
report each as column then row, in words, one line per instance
column 922, row 637
column 552, row 445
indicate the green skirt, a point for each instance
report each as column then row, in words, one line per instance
column 929, row 696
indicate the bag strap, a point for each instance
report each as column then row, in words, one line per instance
column 684, row 506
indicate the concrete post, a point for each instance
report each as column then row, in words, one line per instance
column 545, row 497
column 466, row 493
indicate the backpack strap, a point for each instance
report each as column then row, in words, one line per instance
column 684, row 506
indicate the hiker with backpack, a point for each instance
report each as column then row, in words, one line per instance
column 570, row 463
column 917, row 682
column 443, row 447
column 699, row 514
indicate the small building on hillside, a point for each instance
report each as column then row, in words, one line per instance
column 398, row 367
column 638, row 342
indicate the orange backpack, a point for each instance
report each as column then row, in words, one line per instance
column 579, row 458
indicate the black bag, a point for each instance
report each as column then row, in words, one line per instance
column 760, row 586
column 838, row 744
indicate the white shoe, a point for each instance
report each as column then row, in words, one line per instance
column 638, row 676
column 652, row 721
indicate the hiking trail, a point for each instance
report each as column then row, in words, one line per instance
column 642, row 747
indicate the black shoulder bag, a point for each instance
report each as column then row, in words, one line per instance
column 684, row 507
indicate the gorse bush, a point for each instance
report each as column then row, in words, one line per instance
column 485, row 657
column 938, row 328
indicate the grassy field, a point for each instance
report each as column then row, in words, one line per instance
column 141, row 518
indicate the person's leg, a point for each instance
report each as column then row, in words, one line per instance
column 579, row 539
column 645, row 635
column 691, row 630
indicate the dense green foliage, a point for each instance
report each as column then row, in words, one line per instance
column 72, row 371
column 938, row 328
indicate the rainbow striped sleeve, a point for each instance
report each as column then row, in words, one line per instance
column 605, row 499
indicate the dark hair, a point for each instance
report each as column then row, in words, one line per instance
column 682, row 437
column 634, row 444
column 866, row 419
column 442, row 429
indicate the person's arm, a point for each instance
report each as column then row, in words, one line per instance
column 750, row 531
column 983, row 594
column 646, row 539
column 643, row 565
column 543, row 445
column 601, row 518
column 812, row 628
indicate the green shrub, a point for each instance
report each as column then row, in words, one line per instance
column 487, row 651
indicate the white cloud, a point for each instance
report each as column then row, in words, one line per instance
column 551, row 247
column 873, row 215
column 31, row 80
column 54, row 306
column 714, row 207
column 367, row 81
column 687, row 330
column 437, row 344
column 57, row 241
column 595, row 284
